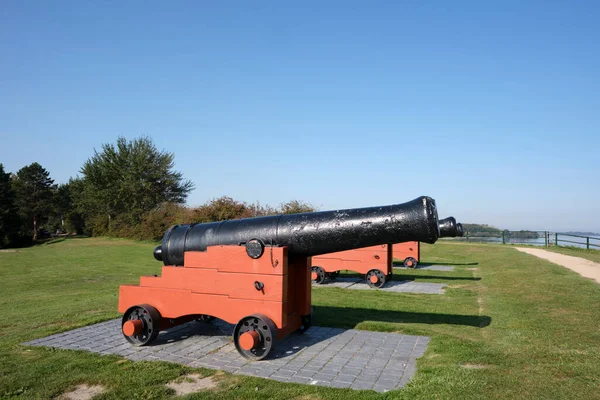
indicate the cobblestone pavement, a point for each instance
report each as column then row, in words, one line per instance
column 428, row 267
column 390, row 286
column 321, row 356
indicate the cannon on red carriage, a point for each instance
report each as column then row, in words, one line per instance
column 375, row 263
column 256, row 272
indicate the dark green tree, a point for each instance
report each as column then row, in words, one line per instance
column 66, row 216
column 34, row 190
column 9, row 220
column 128, row 179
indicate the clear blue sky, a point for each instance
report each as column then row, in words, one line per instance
column 491, row 109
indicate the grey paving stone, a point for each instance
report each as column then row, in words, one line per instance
column 299, row 379
column 427, row 267
column 340, row 384
column 390, row 286
column 342, row 282
column 368, row 376
column 361, row 385
column 345, row 378
column 285, row 373
column 331, row 369
column 264, row 373
column 306, row 373
column 322, row 356
column 388, row 383
column 244, row 370
column 360, row 365
column 351, row 371
column 324, row 377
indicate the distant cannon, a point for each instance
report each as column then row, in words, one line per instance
column 448, row 227
column 255, row 272
column 374, row 262
column 408, row 252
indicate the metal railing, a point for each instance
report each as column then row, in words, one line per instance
column 535, row 238
column 577, row 240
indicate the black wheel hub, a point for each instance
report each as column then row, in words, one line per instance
column 381, row 278
column 306, row 323
column 320, row 274
column 267, row 333
column 150, row 318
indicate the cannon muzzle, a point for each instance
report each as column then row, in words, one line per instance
column 460, row 232
column 309, row 234
column 448, row 227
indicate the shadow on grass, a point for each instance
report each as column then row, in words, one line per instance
column 53, row 240
column 350, row 317
column 407, row 277
column 49, row 240
column 429, row 264
column 403, row 277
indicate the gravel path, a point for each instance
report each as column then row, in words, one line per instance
column 583, row 267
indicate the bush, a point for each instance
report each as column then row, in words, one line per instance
column 153, row 224
column 97, row 225
column 296, row 207
column 156, row 222
column 221, row 209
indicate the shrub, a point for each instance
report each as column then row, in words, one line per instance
column 156, row 222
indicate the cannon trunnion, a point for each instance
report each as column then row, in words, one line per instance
column 256, row 272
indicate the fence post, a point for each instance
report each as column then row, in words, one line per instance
column 546, row 238
column 587, row 241
column 503, row 238
column 467, row 236
column 556, row 238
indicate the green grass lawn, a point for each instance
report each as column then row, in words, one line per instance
column 509, row 326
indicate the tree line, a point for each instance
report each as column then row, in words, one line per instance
column 126, row 189
column 483, row 230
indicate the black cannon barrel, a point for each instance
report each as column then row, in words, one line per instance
column 459, row 230
column 448, row 227
column 310, row 234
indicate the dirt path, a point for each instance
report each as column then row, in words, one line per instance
column 583, row 267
